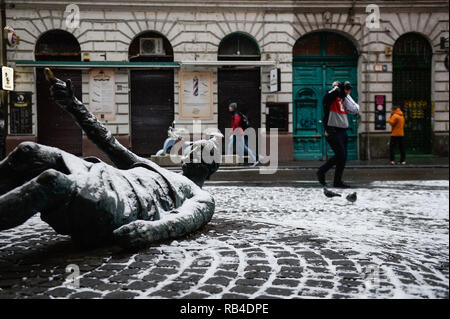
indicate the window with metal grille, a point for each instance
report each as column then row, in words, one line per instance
column 238, row 46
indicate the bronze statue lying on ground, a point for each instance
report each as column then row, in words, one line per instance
column 136, row 203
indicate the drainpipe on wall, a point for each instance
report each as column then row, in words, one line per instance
column 368, row 97
column 3, row 96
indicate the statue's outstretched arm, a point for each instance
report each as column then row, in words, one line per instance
column 62, row 94
column 195, row 213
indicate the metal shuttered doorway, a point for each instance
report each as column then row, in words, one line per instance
column 151, row 93
column 411, row 90
column 242, row 86
column 152, row 109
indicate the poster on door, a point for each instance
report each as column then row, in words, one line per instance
column 196, row 95
column 415, row 109
column 102, row 95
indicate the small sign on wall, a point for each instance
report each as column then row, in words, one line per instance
column 102, row 94
column 388, row 51
column 21, row 120
column 380, row 112
column 10, row 35
column 380, row 68
column 196, row 95
column 7, row 78
column 275, row 80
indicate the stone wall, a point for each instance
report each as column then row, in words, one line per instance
column 195, row 34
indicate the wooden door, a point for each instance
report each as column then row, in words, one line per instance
column 309, row 141
column 152, row 109
column 311, row 83
column 345, row 71
column 56, row 127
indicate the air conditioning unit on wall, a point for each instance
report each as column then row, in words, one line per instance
column 151, row 46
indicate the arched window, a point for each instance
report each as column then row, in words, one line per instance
column 57, row 45
column 324, row 44
column 238, row 47
column 412, row 50
column 150, row 46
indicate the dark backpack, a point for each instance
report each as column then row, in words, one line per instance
column 245, row 123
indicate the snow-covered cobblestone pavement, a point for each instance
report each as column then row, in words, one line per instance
column 263, row 242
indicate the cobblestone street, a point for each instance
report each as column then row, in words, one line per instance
column 263, row 242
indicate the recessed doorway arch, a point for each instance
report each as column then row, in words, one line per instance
column 151, row 93
column 319, row 59
column 55, row 127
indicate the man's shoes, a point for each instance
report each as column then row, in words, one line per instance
column 392, row 163
column 321, row 178
column 341, row 185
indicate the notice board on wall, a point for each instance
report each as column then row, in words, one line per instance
column 102, row 94
column 21, row 114
column 196, row 95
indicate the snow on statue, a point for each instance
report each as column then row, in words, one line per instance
column 137, row 202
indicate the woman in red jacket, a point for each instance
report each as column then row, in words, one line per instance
column 238, row 135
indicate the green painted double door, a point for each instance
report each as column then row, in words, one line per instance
column 311, row 81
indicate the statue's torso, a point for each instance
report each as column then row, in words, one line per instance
column 106, row 198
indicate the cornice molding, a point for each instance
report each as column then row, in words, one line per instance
column 219, row 5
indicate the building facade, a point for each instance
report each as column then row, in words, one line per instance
column 153, row 62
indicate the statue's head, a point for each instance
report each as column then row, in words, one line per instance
column 200, row 171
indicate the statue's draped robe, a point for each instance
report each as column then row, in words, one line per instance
column 105, row 198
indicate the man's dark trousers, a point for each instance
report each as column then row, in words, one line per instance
column 397, row 140
column 338, row 141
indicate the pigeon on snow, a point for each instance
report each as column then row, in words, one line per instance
column 329, row 193
column 351, row 197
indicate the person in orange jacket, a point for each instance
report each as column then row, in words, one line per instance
column 397, row 121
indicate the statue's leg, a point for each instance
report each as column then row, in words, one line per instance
column 45, row 192
column 26, row 162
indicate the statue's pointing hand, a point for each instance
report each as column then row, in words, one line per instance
column 60, row 91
